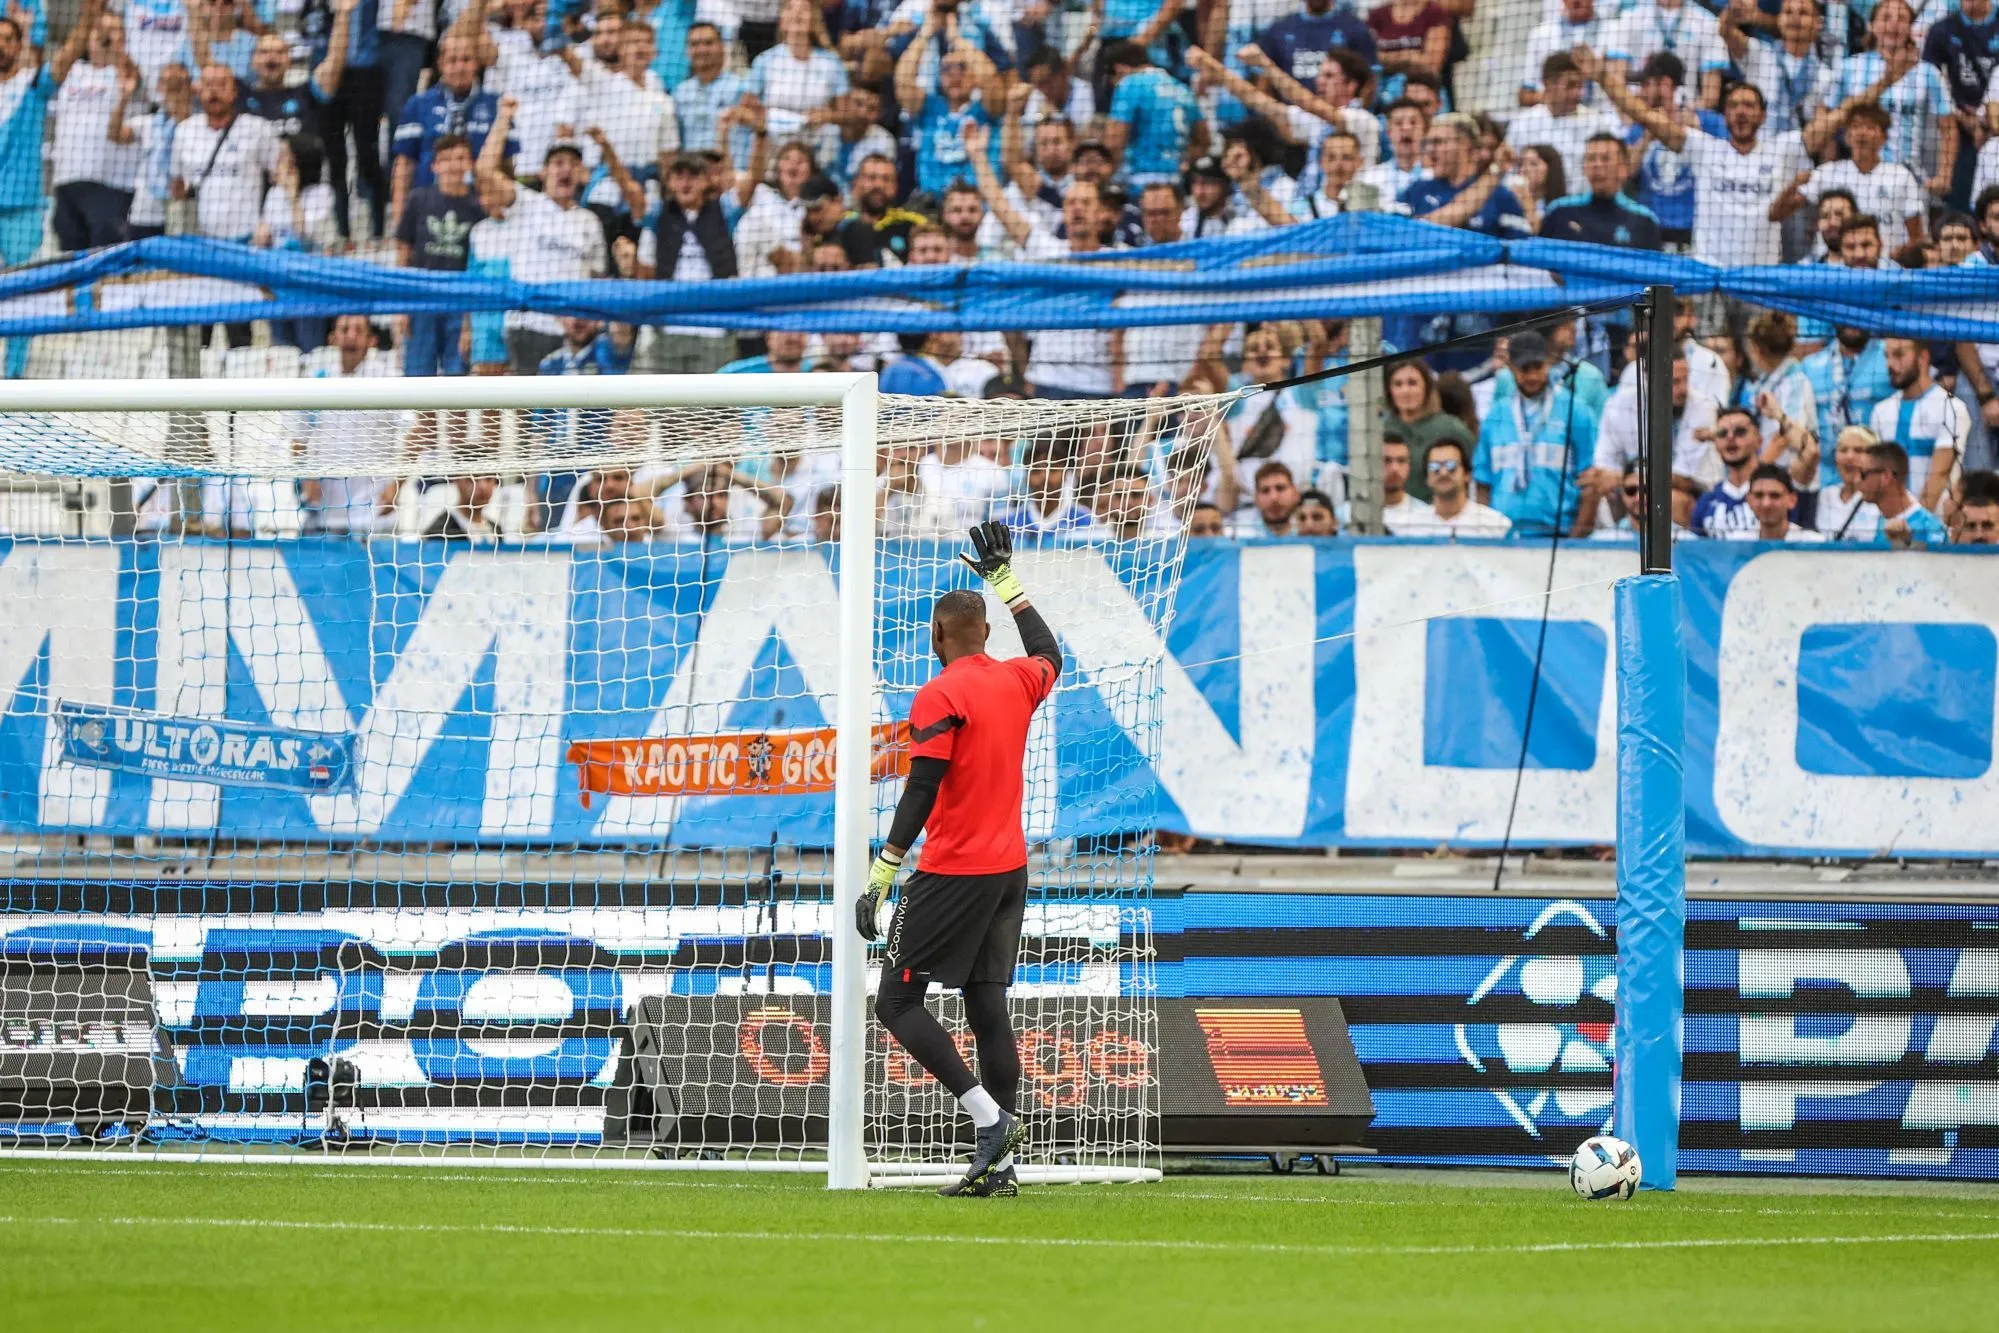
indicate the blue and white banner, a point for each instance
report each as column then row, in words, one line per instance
column 1334, row 693
column 1821, row 1036
column 227, row 753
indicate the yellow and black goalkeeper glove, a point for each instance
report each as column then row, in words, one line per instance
column 881, row 883
column 992, row 545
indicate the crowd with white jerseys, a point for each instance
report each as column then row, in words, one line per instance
column 708, row 141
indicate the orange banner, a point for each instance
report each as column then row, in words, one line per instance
column 791, row 762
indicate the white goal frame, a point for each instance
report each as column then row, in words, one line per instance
column 856, row 396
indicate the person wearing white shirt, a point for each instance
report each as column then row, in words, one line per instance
column 1737, row 179
column 1843, row 513
column 151, row 137
column 221, row 160
column 346, row 505
column 1560, row 120
column 1679, row 26
column 547, row 94
column 1064, row 363
column 1453, row 511
column 1402, row 164
column 772, row 220
column 1771, row 499
column 157, row 35
column 1399, row 509
column 1339, row 164
column 961, row 485
column 623, row 100
column 1578, row 24
column 1620, row 433
column 1923, row 130
column 1924, row 418
column 1798, row 83
column 92, row 172
column 1886, row 190
column 553, row 238
column 1056, row 91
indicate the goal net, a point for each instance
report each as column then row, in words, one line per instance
column 485, row 769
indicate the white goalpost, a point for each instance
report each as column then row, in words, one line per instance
column 481, row 770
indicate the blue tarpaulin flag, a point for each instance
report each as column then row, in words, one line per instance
column 1349, row 266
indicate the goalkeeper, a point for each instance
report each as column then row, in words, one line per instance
column 959, row 921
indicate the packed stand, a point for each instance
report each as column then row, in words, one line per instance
column 700, row 141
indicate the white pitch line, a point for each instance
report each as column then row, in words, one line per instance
column 664, row 1180
column 1032, row 1242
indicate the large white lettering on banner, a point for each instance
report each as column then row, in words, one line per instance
column 1312, row 693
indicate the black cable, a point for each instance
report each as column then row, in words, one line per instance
column 1566, row 313
column 1571, row 365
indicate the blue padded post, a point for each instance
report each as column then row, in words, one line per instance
column 1651, row 870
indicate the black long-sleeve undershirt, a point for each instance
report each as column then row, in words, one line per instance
column 1037, row 638
column 919, row 796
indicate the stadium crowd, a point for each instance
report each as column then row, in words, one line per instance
column 704, row 140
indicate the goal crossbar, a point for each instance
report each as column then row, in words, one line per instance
column 440, row 393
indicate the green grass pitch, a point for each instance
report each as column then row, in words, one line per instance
column 155, row 1247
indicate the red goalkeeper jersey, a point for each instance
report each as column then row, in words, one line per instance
column 975, row 714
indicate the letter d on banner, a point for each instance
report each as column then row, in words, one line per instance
column 1651, row 870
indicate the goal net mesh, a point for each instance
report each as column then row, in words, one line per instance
column 460, row 781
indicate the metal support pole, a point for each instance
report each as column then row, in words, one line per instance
column 1655, row 537
column 1363, row 395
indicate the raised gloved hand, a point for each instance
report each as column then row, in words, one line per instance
column 992, row 547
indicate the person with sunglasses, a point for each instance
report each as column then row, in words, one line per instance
column 1884, row 480
column 1453, row 511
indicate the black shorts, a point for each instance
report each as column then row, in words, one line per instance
column 960, row 930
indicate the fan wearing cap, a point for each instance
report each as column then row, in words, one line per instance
column 690, row 239
column 1211, row 204
column 1533, row 445
column 552, row 237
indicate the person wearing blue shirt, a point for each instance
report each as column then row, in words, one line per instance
column 24, row 101
column 945, row 92
column 708, row 90
column 1964, row 44
column 1665, row 178
column 673, row 25
column 1152, row 117
column 1299, row 43
column 455, row 104
column 1532, row 448
column 1849, row 375
column 1884, row 483
column 1460, row 195
column 1147, row 23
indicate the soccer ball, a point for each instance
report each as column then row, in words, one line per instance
column 1604, row 1168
